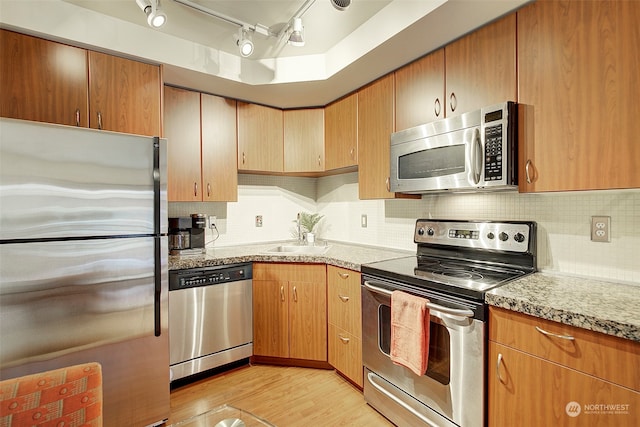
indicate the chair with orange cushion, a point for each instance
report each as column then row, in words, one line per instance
column 69, row 397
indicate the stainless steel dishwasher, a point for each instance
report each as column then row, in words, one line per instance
column 210, row 318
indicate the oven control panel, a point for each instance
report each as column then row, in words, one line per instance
column 511, row 236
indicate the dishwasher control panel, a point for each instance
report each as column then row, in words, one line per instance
column 206, row 276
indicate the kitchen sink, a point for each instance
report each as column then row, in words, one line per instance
column 297, row 250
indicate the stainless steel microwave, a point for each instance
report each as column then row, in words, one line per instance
column 475, row 151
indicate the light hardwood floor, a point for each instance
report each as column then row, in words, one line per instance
column 284, row 396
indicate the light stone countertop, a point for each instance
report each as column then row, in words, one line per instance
column 348, row 256
column 607, row 307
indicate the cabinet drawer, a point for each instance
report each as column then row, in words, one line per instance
column 343, row 291
column 603, row 356
column 345, row 353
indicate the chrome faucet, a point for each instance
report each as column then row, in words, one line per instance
column 299, row 229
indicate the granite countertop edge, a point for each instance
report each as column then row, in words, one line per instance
column 607, row 307
column 601, row 306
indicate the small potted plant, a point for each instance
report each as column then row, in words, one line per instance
column 308, row 223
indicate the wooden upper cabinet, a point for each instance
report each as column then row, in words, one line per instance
column 219, row 149
column 260, row 138
column 420, row 91
column 341, row 133
column 42, row 80
column 481, row 68
column 182, row 130
column 375, row 125
column 578, row 68
column 304, row 140
column 124, row 95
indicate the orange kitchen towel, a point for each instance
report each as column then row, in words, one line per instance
column 409, row 331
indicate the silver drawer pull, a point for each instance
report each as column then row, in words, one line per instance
column 344, row 339
column 551, row 334
column 343, row 298
column 343, row 275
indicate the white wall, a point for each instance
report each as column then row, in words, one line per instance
column 563, row 219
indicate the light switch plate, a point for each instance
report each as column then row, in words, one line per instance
column 363, row 221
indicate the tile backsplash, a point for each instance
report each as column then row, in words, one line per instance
column 563, row 219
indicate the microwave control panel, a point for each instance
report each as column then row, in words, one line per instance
column 493, row 152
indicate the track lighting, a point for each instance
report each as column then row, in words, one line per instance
column 156, row 18
column 243, row 40
column 341, row 5
column 296, row 38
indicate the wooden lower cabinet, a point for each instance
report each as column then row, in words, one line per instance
column 290, row 311
column 345, row 322
column 526, row 390
column 542, row 372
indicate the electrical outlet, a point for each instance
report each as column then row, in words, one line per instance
column 258, row 220
column 363, row 221
column 212, row 221
column 600, row 228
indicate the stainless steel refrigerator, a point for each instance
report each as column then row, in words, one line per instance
column 83, row 261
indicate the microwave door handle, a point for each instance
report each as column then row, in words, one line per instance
column 476, row 157
column 430, row 305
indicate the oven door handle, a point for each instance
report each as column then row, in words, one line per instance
column 371, row 377
column 430, row 305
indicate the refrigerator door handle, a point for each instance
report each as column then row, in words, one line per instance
column 157, row 294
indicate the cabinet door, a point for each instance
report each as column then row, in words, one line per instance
column 304, row 140
column 524, row 388
column 481, row 68
column 341, row 133
column 308, row 319
column 270, row 318
column 375, row 125
column 578, row 67
column 42, row 81
column 260, row 138
column 420, row 91
column 124, row 95
column 219, row 149
column 182, row 130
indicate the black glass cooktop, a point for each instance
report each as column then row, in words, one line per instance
column 464, row 277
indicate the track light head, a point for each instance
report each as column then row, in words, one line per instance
column 156, row 17
column 341, row 5
column 296, row 38
column 243, row 40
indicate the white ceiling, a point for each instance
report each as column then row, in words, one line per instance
column 343, row 51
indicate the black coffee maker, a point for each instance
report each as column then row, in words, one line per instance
column 186, row 233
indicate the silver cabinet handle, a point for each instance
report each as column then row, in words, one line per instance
column 551, row 334
column 453, row 101
column 343, row 298
column 498, row 363
column 319, row 163
column 295, row 294
column 352, row 152
column 343, row 275
column 437, row 108
column 282, row 293
column 195, row 189
column 208, row 189
column 371, row 377
column 344, row 339
column 244, row 158
column 388, row 184
column 445, row 310
column 526, row 171
column 77, row 117
column 99, row 120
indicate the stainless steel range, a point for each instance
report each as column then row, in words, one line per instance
column 456, row 263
